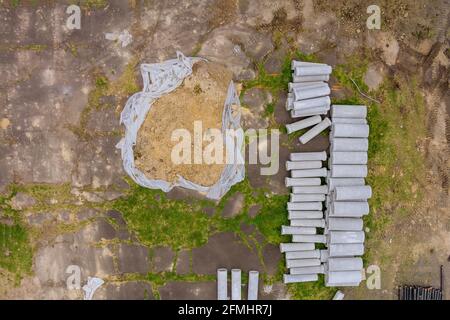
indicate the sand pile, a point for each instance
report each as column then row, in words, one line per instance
column 199, row 98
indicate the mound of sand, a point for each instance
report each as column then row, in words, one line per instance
column 199, row 98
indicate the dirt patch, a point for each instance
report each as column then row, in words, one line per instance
column 199, row 98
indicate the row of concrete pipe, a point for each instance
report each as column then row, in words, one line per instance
column 346, row 202
column 305, row 213
column 309, row 97
column 338, row 225
column 236, row 284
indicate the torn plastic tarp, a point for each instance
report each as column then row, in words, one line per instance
column 160, row 79
column 91, row 286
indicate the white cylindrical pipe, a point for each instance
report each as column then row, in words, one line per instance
column 312, row 70
column 306, row 197
column 318, row 223
column 345, row 264
column 222, row 284
column 348, row 157
column 297, row 182
column 306, row 85
column 289, row 103
column 346, row 130
column 296, row 278
column 339, row 295
column 300, row 112
column 236, row 284
column 327, row 201
column 345, row 193
column 305, row 123
column 314, row 131
column 310, row 92
column 296, row 85
column 345, row 120
column 292, row 214
column 349, row 144
column 323, row 255
column 348, row 284
column 345, row 249
column 307, row 270
column 346, row 237
column 355, row 209
column 309, row 112
column 300, row 165
column 348, row 171
column 312, row 238
column 297, row 263
column 288, row 247
column 299, row 206
column 344, row 224
column 336, row 182
column 311, row 254
column 311, row 189
column 308, row 156
column 310, row 78
column 292, row 85
column 312, row 103
column 309, row 173
column 348, row 111
column 288, row 230
column 338, row 277
column 253, row 283
column 297, row 63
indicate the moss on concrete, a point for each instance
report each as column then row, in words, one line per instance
column 121, row 88
column 161, row 221
column 16, row 252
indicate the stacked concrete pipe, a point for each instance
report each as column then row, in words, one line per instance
column 346, row 201
column 308, row 98
column 305, row 213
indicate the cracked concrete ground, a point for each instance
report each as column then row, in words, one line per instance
column 59, row 128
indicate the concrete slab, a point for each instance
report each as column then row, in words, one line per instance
column 254, row 210
column 133, row 290
column 189, row 291
column 133, row 259
column 224, row 250
column 233, row 206
column 184, row 262
column 162, row 259
column 271, row 256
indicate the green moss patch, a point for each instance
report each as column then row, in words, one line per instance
column 16, row 253
column 160, row 221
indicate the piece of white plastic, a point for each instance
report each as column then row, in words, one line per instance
column 91, row 286
column 160, row 79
